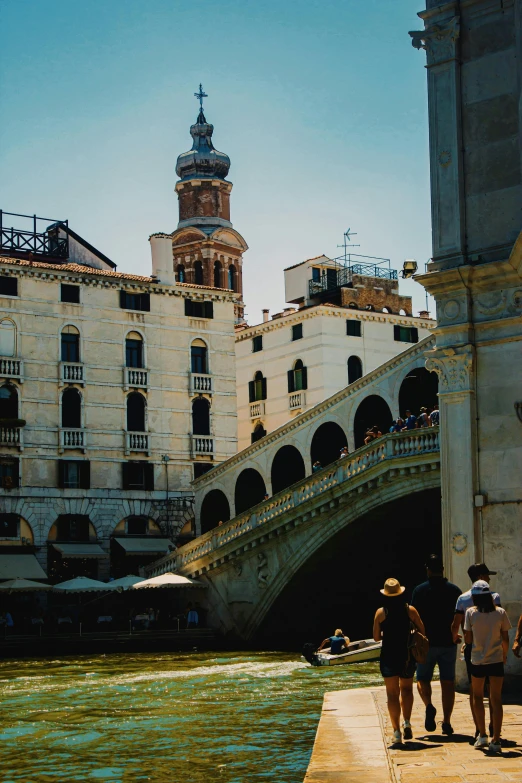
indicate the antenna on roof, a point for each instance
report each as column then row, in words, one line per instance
column 346, row 242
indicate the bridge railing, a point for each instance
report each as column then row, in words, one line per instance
column 388, row 447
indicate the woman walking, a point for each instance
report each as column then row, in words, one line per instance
column 486, row 628
column 392, row 624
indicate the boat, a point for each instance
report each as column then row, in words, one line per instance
column 357, row 652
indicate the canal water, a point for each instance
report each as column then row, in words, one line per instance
column 168, row 718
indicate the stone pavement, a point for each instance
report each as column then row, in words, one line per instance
column 354, row 737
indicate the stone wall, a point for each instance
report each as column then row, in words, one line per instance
column 377, row 293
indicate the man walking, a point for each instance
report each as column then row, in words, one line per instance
column 435, row 602
column 464, row 602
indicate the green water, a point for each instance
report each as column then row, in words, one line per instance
column 178, row 718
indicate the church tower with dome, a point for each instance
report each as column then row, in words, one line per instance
column 206, row 249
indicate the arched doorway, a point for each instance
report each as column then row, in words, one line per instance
column 372, row 410
column 214, row 509
column 418, row 389
column 250, row 490
column 200, row 416
column 287, row 468
column 71, row 409
column 355, row 369
column 327, row 443
column 135, row 412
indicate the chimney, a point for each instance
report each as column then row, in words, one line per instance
column 265, row 316
column 424, row 313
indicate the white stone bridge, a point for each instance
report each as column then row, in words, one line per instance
column 249, row 561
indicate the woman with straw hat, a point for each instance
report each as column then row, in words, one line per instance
column 392, row 625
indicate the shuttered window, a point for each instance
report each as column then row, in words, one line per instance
column 199, row 309
column 405, row 334
column 134, row 301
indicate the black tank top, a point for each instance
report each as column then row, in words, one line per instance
column 395, row 635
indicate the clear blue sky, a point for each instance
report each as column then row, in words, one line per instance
column 321, row 105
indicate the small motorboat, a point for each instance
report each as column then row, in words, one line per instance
column 357, row 652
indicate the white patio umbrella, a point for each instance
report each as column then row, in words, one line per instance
column 168, row 580
column 126, row 581
column 81, row 584
column 23, row 586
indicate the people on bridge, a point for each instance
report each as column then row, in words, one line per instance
column 316, row 466
column 372, row 434
column 486, row 628
column 344, row 452
column 423, row 420
column 435, row 602
column 476, row 572
column 392, row 624
column 410, row 421
column 397, row 425
column 434, row 416
column 338, row 643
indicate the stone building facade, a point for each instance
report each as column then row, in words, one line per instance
column 474, row 51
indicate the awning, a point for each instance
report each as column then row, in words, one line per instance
column 145, row 546
column 23, row 566
column 80, row 550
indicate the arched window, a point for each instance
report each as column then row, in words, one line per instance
column 134, row 350
column 198, row 273
column 71, row 409
column 386, row 310
column 217, row 274
column 198, row 357
column 7, row 338
column 200, row 416
column 135, row 412
column 258, row 433
column 70, row 344
column 232, row 277
column 180, row 273
column 370, row 307
column 298, row 377
column 355, row 369
column 257, row 388
column 8, row 402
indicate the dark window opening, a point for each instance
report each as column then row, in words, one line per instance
column 70, row 347
column 406, row 334
column 9, row 473
column 217, row 274
column 70, row 293
column 9, row 526
column 200, row 416
column 257, row 388
column 8, row 286
column 72, row 528
column 297, row 332
column 316, row 274
column 134, row 301
column 133, row 352
column 8, row 402
column 258, row 433
column 200, row 468
column 232, row 277
column 198, row 273
column 199, row 309
column 71, row 409
column 180, row 276
column 137, row 526
column 198, row 359
column 138, row 475
column 135, row 412
column 355, row 369
column 353, row 328
column 74, row 474
column 298, row 377
column 257, row 343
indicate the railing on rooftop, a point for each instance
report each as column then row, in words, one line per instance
column 37, row 237
column 342, row 271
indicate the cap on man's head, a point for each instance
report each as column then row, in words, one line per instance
column 434, row 563
column 480, row 588
column 477, row 570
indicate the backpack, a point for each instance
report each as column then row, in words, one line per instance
column 419, row 645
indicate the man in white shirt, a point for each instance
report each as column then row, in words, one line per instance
column 464, row 602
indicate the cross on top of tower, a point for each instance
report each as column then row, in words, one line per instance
column 200, row 95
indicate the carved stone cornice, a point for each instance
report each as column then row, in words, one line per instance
column 455, row 370
column 439, row 41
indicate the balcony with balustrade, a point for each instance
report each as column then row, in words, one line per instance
column 11, row 435
column 11, row 369
column 200, row 384
column 202, row 445
column 137, row 442
column 296, row 400
column 72, row 438
column 257, row 409
column 72, row 372
column 135, row 378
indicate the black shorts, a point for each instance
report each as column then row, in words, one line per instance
column 487, row 670
column 403, row 669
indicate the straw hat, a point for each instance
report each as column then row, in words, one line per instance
column 392, row 587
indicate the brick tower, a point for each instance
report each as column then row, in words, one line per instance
column 206, row 249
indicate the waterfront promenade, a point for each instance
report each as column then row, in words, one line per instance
column 354, row 737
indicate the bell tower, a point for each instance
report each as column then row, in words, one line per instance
column 206, row 249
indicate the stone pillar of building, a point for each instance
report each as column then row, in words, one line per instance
column 473, row 54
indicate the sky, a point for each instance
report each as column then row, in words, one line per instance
column 320, row 104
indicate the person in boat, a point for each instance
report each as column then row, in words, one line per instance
column 338, row 643
column 392, row 624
